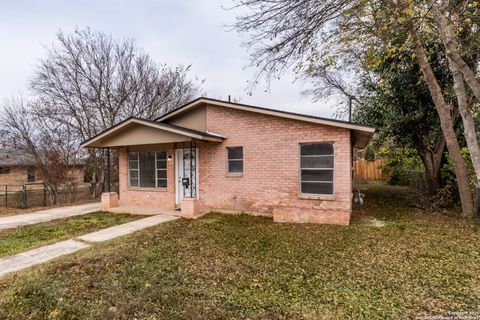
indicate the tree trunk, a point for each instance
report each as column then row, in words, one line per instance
column 450, row 42
column 53, row 194
column 468, row 128
column 432, row 175
column 467, row 118
column 449, row 39
column 446, row 124
column 432, row 161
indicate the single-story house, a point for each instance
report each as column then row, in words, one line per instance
column 18, row 167
column 212, row 155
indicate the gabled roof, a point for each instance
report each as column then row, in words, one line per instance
column 361, row 133
column 16, row 157
column 191, row 133
column 268, row 111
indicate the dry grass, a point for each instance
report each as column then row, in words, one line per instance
column 31, row 236
column 237, row 267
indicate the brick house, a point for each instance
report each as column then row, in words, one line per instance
column 211, row 155
column 18, row 167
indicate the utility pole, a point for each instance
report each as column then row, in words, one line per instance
column 349, row 108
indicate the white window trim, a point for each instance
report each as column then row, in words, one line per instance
column 178, row 196
column 327, row 195
column 156, row 169
column 138, row 170
column 228, row 161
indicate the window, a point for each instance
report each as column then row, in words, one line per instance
column 4, row 170
column 147, row 169
column 235, row 159
column 316, row 166
column 31, row 174
column 161, row 169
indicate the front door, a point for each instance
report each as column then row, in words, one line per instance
column 186, row 173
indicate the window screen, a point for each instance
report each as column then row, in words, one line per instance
column 235, row 159
column 147, row 169
column 316, row 167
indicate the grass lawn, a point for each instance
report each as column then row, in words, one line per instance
column 222, row 266
column 27, row 237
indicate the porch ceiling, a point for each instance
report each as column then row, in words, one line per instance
column 135, row 131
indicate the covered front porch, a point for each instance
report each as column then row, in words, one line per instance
column 158, row 167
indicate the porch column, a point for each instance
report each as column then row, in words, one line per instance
column 109, row 200
column 190, row 207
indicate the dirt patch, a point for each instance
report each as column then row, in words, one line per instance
column 373, row 222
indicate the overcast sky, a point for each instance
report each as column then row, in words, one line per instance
column 170, row 31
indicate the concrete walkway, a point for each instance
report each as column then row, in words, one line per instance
column 36, row 256
column 47, row 215
column 126, row 228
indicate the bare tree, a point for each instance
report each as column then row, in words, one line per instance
column 283, row 33
column 5, row 139
column 49, row 145
column 334, row 79
column 89, row 82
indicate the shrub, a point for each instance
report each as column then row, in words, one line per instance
column 399, row 162
column 448, row 195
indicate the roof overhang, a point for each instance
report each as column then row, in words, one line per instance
column 360, row 139
column 361, row 133
column 135, row 131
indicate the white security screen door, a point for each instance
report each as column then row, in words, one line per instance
column 186, row 173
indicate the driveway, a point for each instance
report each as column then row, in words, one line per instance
column 47, row 215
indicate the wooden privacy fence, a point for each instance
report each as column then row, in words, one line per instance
column 368, row 170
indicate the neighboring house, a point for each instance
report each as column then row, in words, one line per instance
column 18, row 167
column 212, row 155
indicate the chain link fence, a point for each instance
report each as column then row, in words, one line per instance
column 36, row 195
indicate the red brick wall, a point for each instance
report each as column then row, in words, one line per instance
column 270, row 180
column 271, row 175
column 17, row 175
column 160, row 197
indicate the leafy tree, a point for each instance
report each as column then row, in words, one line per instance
column 307, row 33
column 399, row 104
column 407, row 17
column 400, row 163
column 369, row 153
column 457, row 25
